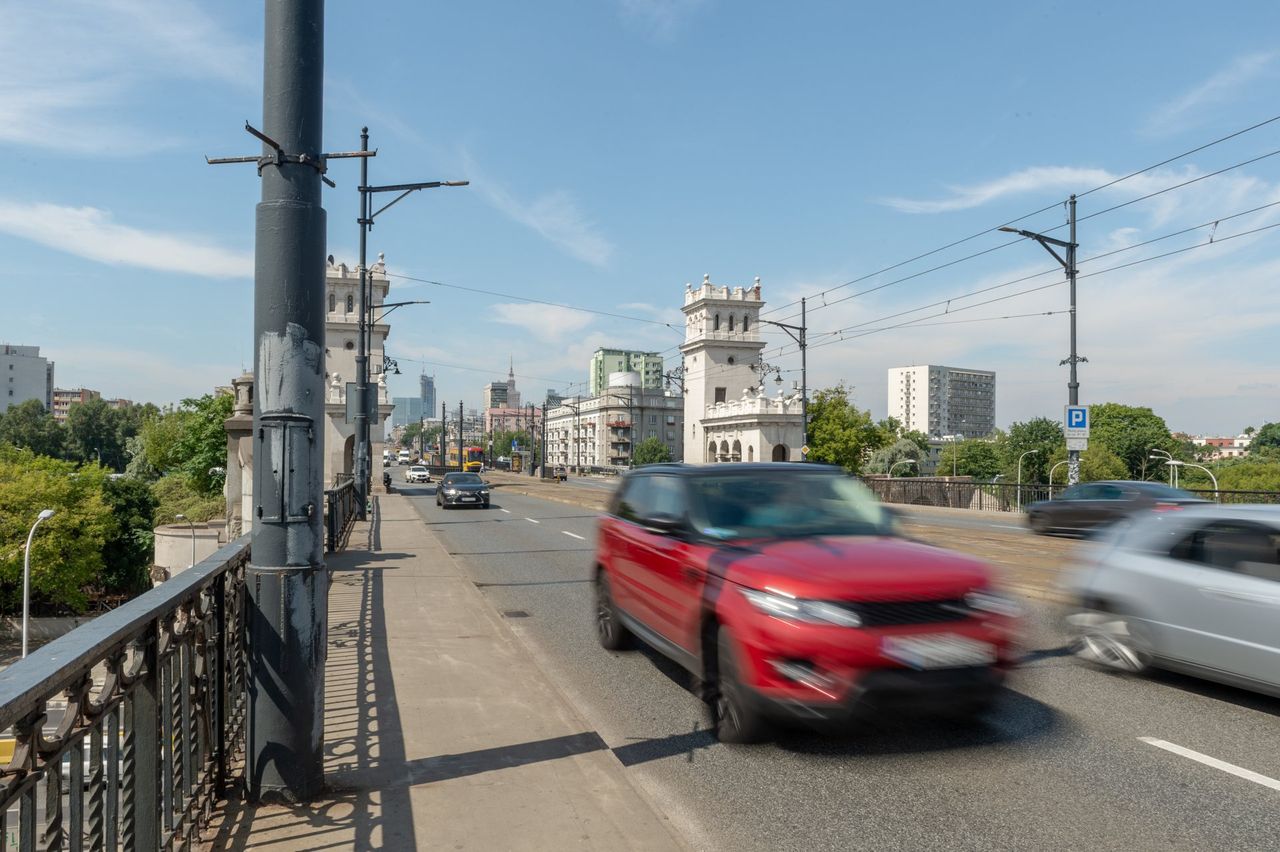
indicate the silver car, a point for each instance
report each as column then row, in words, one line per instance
column 1196, row 590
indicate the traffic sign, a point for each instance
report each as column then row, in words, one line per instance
column 1077, row 443
column 1075, row 420
column 804, row 451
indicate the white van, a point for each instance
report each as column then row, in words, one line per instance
column 405, row 457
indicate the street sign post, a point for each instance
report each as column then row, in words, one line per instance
column 1077, row 444
column 1075, row 421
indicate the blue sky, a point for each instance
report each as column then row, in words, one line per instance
column 620, row 148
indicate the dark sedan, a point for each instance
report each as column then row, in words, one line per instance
column 462, row 489
column 1090, row 505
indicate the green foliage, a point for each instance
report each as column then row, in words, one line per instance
column 202, row 446
column 1130, row 433
column 1096, row 463
column 430, row 437
column 503, row 438
column 651, row 451
column 28, row 425
column 1268, row 437
column 176, row 494
column 94, row 434
column 918, row 438
column 67, row 552
column 1040, row 434
column 1248, row 475
column 883, row 460
column 970, row 457
column 839, row 432
column 130, row 543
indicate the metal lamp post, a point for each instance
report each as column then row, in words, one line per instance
column 901, row 461
column 1020, row 458
column 1051, row 470
column 45, row 514
column 1175, row 463
column 193, row 538
column 1166, row 457
column 1068, row 264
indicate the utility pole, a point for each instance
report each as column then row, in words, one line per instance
column 461, row 463
column 286, row 580
column 799, row 333
column 1069, row 264
column 444, row 431
column 362, row 463
column 544, row 441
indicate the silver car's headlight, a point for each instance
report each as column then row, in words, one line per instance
column 799, row 609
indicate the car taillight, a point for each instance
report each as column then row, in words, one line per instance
column 1166, row 507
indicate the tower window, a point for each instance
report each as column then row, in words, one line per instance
column 720, row 394
column 746, row 323
column 333, row 303
column 716, row 324
column 731, row 322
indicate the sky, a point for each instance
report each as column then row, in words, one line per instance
column 858, row 155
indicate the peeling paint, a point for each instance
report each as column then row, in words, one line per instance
column 282, row 357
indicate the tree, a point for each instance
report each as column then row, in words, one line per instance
column 28, row 425
column 177, row 495
column 1040, row 434
column 202, row 446
column 67, row 552
column 918, row 438
column 93, row 433
column 1096, row 463
column 971, row 457
column 130, row 542
column 1130, row 433
column 883, row 460
column 839, row 432
column 1266, row 437
column 651, row 451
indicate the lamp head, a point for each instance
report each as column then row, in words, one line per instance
column 45, row 514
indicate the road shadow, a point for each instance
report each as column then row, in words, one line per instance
column 1217, row 691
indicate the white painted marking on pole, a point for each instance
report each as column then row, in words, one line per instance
column 508, row 511
column 1238, row 771
column 532, row 521
column 574, row 535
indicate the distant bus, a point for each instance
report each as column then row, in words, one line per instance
column 473, row 458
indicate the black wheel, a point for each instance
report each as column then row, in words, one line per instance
column 1039, row 523
column 1112, row 640
column 612, row 634
column 486, row 504
column 737, row 719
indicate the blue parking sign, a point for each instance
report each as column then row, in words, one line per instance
column 1076, row 421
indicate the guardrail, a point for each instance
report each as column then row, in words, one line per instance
column 1004, row 497
column 340, row 511
column 153, row 728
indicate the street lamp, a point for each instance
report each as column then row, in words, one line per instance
column 193, row 538
column 45, row 514
column 901, row 461
column 1069, row 264
column 1176, row 463
column 365, row 221
column 1051, row 470
column 1167, row 457
column 1020, row 458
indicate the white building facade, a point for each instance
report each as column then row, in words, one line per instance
column 727, row 413
column 25, row 376
column 942, row 401
column 603, row 431
column 342, row 294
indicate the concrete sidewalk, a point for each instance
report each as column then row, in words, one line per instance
column 441, row 731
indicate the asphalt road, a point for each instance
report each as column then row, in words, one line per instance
column 1057, row 764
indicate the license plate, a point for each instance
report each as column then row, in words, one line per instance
column 944, row 651
column 468, row 499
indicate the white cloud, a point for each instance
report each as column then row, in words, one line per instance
column 1036, row 179
column 549, row 323
column 1219, row 87
column 662, row 19
column 554, row 215
column 90, row 233
column 108, row 52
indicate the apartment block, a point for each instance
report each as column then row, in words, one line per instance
column 943, row 401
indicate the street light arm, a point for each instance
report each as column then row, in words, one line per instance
column 404, row 189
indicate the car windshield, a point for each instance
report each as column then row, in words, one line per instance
column 785, row 504
column 463, row 479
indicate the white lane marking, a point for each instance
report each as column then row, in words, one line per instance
column 532, row 521
column 1238, row 771
column 574, row 535
column 508, row 511
column 1009, row 527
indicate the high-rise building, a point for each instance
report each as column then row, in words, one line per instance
column 502, row 394
column 427, row 392
column 943, row 401
column 410, row 409
column 606, row 361
column 26, row 376
column 63, row 399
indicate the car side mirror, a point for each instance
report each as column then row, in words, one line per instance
column 663, row 523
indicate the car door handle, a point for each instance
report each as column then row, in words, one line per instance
column 1228, row 594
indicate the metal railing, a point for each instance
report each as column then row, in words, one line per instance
column 340, row 512
column 152, row 731
column 1004, row 497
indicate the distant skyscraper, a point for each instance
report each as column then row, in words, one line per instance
column 427, row 392
column 502, row 394
column 942, row 401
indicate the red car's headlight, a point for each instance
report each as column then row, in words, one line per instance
column 798, row 609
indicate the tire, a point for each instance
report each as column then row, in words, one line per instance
column 1113, row 640
column 737, row 720
column 1038, row 523
column 610, row 631
column 486, row 504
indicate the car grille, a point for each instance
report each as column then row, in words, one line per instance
column 883, row 613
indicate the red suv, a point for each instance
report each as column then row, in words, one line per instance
column 785, row 590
